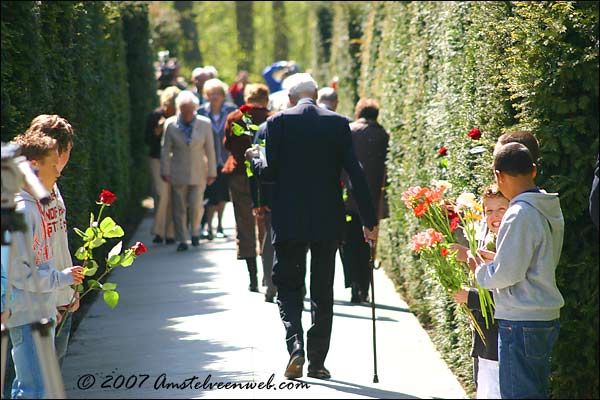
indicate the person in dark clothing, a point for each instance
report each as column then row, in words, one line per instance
column 163, row 227
column 306, row 149
column 370, row 141
column 256, row 99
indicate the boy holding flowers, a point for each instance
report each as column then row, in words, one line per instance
column 522, row 275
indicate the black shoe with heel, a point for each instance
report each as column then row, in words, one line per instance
column 318, row 372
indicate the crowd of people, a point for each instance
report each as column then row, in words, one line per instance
column 301, row 178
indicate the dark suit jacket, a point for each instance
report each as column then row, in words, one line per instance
column 307, row 147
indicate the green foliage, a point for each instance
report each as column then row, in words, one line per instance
column 439, row 69
column 71, row 59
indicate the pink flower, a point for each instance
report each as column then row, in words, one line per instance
column 475, row 133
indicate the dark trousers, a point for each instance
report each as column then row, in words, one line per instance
column 289, row 271
column 355, row 253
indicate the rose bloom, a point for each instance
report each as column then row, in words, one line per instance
column 443, row 151
column 107, row 197
column 475, row 133
column 444, row 251
column 139, row 248
column 245, row 108
column 454, row 223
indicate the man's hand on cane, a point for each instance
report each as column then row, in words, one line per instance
column 371, row 234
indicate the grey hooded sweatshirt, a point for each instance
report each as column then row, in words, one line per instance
column 528, row 247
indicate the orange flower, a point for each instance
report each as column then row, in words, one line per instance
column 433, row 195
column 420, row 210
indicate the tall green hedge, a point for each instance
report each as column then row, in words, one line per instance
column 90, row 63
column 439, row 69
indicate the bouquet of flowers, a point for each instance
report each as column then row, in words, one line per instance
column 442, row 218
column 93, row 237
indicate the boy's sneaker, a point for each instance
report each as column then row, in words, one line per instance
column 220, row 233
column 195, row 241
column 169, row 241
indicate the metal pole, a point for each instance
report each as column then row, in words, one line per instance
column 372, row 267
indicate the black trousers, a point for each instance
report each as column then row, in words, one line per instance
column 289, row 271
column 355, row 253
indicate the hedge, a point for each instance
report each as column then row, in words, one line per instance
column 439, row 69
column 90, row 63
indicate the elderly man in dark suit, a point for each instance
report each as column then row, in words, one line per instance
column 306, row 149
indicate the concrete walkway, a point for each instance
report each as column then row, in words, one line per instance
column 189, row 319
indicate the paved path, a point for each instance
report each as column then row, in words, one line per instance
column 188, row 318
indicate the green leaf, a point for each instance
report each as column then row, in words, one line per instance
column 111, row 298
column 97, row 242
column 90, row 233
column 117, row 231
column 237, row 129
column 113, row 261
column 94, row 284
column 109, row 286
column 107, row 224
column 91, row 218
column 128, row 259
column 79, row 288
column 92, row 269
column 253, row 127
column 249, row 172
column 80, row 233
column 444, row 163
column 81, row 253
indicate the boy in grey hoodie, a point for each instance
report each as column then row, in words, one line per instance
column 522, row 275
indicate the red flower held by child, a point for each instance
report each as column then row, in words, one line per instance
column 443, row 151
column 475, row 133
column 107, row 197
column 245, row 108
column 139, row 248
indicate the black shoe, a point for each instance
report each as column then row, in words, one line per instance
column 169, row 241
column 209, row 235
column 204, row 235
column 182, row 247
column 269, row 299
column 253, row 288
column 195, row 241
column 318, row 372
column 294, row 367
column 157, row 239
column 356, row 297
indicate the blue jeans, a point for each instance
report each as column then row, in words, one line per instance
column 28, row 383
column 524, row 349
column 61, row 342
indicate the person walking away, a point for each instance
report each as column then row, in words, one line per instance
column 306, row 149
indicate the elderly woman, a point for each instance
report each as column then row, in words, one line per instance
column 216, row 110
column 188, row 164
column 256, row 97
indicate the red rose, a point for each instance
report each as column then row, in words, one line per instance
column 245, row 108
column 139, row 248
column 444, row 251
column 107, row 197
column 475, row 133
column 443, row 151
column 454, row 223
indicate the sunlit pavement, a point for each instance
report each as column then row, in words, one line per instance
column 186, row 321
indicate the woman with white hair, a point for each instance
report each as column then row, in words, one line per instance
column 188, row 164
column 216, row 110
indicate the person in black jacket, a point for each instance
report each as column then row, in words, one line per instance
column 306, row 149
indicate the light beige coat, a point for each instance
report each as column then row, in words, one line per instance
column 188, row 164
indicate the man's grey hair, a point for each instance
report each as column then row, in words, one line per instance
column 327, row 94
column 301, row 83
column 186, row 97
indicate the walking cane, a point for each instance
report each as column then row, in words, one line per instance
column 372, row 267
